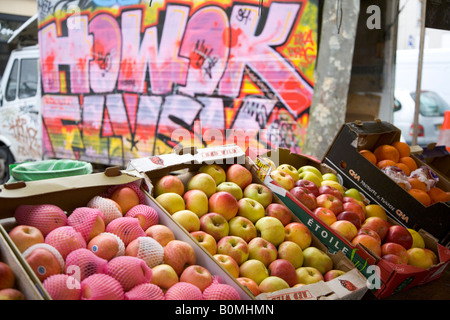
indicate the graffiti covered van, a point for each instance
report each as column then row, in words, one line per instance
column 124, row 79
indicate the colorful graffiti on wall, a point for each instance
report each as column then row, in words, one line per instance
column 124, row 79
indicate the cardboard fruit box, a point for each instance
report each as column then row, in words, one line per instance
column 70, row 193
column 185, row 164
column 344, row 157
column 24, row 282
column 384, row 278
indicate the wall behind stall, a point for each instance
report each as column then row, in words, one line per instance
column 122, row 82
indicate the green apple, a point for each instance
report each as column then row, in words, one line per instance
column 353, row 193
column 251, row 209
column 318, row 259
column 290, row 170
column 258, row 192
column 187, row 219
column 253, row 269
column 242, row 227
column 283, row 179
column 273, row 283
column 215, row 171
column 330, row 176
column 171, row 201
column 232, row 188
column 291, row 252
column 202, row 181
column 271, row 229
column 310, row 168
column 311, row 176
column 196, row 201
column 308, row 275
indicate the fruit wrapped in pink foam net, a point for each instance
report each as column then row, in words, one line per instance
column 65, row 239
column 129, row 271
column 45, row 217
column 184, row 291
column 101, row 286
column 62, row 287
column 132, row 185
column 145, row 214
column 148, row 249
column 126, row 228
column 109, row 208
column 220, row 291
column 84, row 263
column 84, row 219
column 145, row 291
column 41, row 271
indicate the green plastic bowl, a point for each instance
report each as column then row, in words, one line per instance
column 48, row 169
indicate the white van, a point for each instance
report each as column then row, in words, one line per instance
column 20, row 116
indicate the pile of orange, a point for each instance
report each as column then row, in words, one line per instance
column 398, row 154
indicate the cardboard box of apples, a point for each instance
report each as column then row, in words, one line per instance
column 216, row 196
column 99, row 237
column 344, row 220
column 15, row 281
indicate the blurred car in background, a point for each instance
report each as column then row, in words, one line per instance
column 431, row 116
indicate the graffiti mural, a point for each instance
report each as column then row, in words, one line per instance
column 123, row 79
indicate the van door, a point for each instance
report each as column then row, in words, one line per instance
column 20, row 118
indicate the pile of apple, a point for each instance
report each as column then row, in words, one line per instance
column 8, row 291
column 114, row 248
column 238, row 222
column 347, row 212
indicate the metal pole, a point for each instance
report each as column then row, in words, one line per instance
column 419, row 73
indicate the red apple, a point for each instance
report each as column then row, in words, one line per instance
column 249, row 284
column 224, row 203
column 239, row 174
column 179, row 255
column 400, row 235
column 378, row 225
column 11, row 294
column 351, row 216
column 235, row 247
column 332, row 274
column 169, row 183
column 284, row 269
column 325, row 214
column 25, row 236
column 262, row 250
column 370, row 232
column 351, row 206
column 197, row 275
column 331, row 202
column 299, row 233
column 215, row 224
column 7, row 277
column 392, row 258
column 279, row 211
column 395, row 248
column 305, row 197
column 369, row 242
column 326, row 189
column 311, row 186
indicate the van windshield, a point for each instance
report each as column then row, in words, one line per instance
column 431, row 104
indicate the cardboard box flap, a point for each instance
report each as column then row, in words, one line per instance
column 371, row 134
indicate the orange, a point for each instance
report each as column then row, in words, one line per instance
column 403, row 148
column 375, row 210
column 386, row 152
column 369, row 156
column 417, row 184
column 385, row 163
column 409, row 162
column 421, row 196
column 437, row 194
column 404, row 168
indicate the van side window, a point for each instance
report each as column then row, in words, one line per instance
column 28, row 78
column 11, row 87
